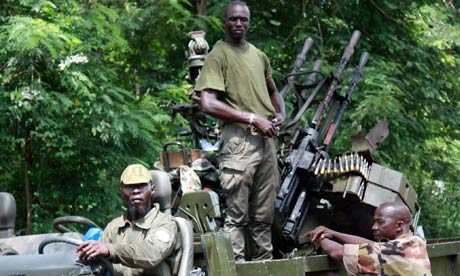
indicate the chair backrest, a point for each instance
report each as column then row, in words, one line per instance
column 186, row 261
column 162, row 196
column 7, row 215
column 163, row 190
column 201, row 207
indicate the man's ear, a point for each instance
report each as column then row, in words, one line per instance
column 400, row 225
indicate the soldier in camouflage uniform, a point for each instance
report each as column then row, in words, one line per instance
column 396, row 252
column 144, row 241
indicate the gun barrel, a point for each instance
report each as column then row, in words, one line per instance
column 302, row 56
column 299, row 61
column 356, row 77
column 349, row 50
column 316, row 67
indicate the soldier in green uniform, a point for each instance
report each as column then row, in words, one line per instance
column 144, row 241
column 396, row 250
column 237, row 87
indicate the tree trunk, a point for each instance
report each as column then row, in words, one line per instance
column 27, row 163
column 201, row 7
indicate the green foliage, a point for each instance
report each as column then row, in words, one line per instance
column 64, row 94
column 84, row 86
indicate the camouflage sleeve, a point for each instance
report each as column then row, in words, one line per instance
column 147, row 253
column 362, row 258
column 405, row 256
column 350, row 258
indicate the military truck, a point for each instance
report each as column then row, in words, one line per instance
column 339, row 190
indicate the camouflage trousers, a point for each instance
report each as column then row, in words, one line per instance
column 250, row 180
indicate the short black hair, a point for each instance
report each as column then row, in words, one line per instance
column 235, row 2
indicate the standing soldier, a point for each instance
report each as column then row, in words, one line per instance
column 237, row 87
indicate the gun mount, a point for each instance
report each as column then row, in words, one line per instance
column 201, row 125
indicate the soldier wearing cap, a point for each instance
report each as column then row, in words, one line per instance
column 396, row 250
column 143, row 241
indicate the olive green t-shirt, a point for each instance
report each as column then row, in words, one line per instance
column 238, row 73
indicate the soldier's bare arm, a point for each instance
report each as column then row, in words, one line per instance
column 333, row 249
column 277, row 101
column 215, row 107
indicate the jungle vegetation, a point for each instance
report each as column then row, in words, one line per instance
column 84, row 85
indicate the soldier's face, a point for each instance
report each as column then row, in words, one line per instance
column 385, row 225
column 237, row 23
column 137, row 196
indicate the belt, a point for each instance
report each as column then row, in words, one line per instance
column 250, row 129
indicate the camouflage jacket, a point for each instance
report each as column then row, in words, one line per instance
column 406, row 256
column 148, row 246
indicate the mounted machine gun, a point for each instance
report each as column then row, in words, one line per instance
column 317, row 189
column 307, row 146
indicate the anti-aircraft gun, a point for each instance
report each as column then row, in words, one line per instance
column 316, row 188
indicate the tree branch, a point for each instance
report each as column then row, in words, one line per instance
column 384, row 13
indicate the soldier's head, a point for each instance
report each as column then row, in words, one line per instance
column 236, row 22
column 137, row 188
column 391, row 220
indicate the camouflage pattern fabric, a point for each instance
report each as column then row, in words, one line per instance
column 404, row 256
column 189, row 180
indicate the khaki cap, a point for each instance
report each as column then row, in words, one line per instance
column 135, row 174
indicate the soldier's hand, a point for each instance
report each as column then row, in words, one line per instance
column 320, row 233
column 278, row 119
column 265, row 126
column 89, row 250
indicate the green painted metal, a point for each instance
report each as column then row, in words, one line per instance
column 200, row 207
column 219, row 254
column 444, row 257
column 294, row 266
column 387, row 185
column 443, row 247
column 313, row 265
